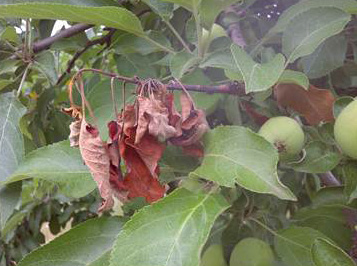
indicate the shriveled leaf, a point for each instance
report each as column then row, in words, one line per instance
column 11, row 141
column 116, row 17
column 237, row 155
column 87, row 244
column 324, row 253
column 96, row 156
column 257, row 77
column 294, row 77
column 9, row 197
column 308, row 30
column 170, row 232
column 58, row 163
column 315, row 104
column 329, row 56
column 340, row 104
column 349, row 6
column 293, row 245
column 319, row 159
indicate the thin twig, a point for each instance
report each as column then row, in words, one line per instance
column 328, row 179
column 106, row 39
column 47, row 42
column 23, row 79
column 228, row 88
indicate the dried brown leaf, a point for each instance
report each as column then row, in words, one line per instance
column 315, row 104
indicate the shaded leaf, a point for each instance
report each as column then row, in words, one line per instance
column 188, row 4
column 315, row 104
column 257, row 77
column 294, row 77
column 349, row 6
column 340, row 104
column 87, row 244
column 349, row 173
column 170, row 232
column 329, row 56
column 219, row 59
column 237, row 155
column 329, row 219
column 319, row 159
column 9, row 197
column 325, row 253
column 293, row 245
column 210, row 9
column 161, row 8
column 116, row 17
column 129, row 43
column 11, row 141
column 309, row 29
column 58, row 163
column 45, row 63
column 181, row 62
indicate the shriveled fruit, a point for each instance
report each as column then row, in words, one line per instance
column 345, row 130
column 252, row 252
column 213, row 256
column 286, row 135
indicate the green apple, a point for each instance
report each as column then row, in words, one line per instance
column 252, row 252
column 213, row 256
column 345, row 130
column 286, row 135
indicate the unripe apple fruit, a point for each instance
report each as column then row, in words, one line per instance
column 286, row 135
column 345, row 130
column 252, row 252
column 213, row 256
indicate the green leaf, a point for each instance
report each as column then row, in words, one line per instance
column 293, row 245
column 219, row 59
column 188, row 4
column 294, row 77
column 163, row 9
column 58, row 163
column 4, row 83
column 65, row 2
column 329, row 56
column 319, row 159
column 45, row 62
column 257, row 77
column 309, row 29
column 325, row 253
column 87, row 244
column 210, row 9
column 170, row 232
column 329, row 220
column 9, row 197
column 115, row 17
column 129, row 43
column 181, row 62
column 340, row 104
column 235, row 154
column 349, row 172
column 135, row 65
column 11, row 141
column 349, row 6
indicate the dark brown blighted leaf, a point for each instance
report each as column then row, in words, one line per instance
column 315, row 104
column 139, row 179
